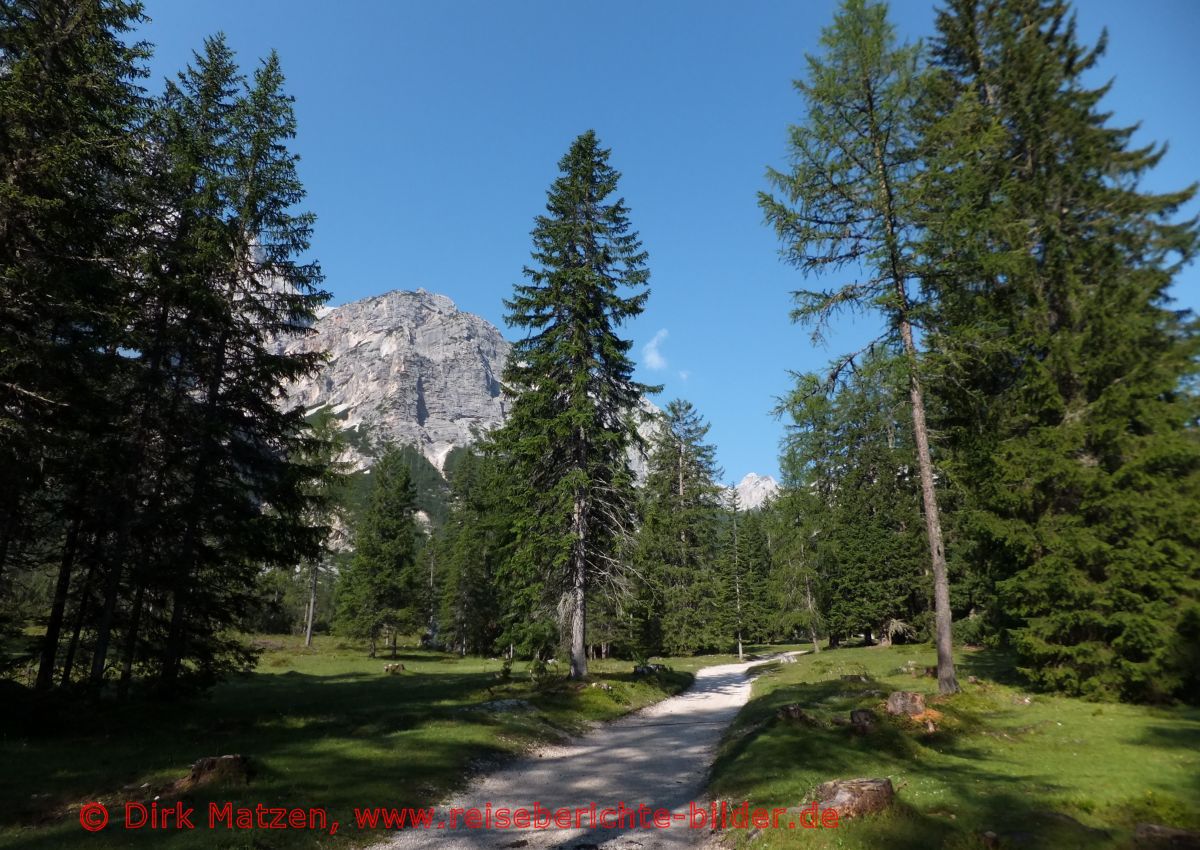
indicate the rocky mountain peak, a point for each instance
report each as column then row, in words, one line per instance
column 405, row 367
column 755, row 490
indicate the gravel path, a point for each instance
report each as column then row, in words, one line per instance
column 658, row 756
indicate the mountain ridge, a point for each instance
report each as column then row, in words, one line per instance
column 411, row 368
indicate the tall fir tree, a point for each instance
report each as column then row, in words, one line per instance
column 794, row 589
column 574, row 397
column 470, row 549
column 70, row 110
column 381, row 591
column 1067, row 379
column 849, row 200
column 849, row 454
column 198, row 479
column 678, row 552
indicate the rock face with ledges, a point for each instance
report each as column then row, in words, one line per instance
column 406, row 367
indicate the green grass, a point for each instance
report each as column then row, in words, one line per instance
column 1053, row 772
column 324, row 727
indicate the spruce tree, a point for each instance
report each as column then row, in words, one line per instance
column 848, row 200
column 1066, row 377
column 381, row 590
column 572, row 385
column 793, row 584
column 678, row 550
column 70, row 108
column 469, row 550
column 849, row 451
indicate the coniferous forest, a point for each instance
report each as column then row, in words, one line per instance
column 1010, row 465
column 1012, row 460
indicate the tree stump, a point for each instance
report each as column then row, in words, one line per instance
column 908, row 703
column 855, row 797
column 862, row 719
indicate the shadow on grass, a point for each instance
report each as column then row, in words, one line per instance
column 335, row 740
column 89, row 754
column 770, row 754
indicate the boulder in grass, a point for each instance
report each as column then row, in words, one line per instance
column 1152, row 835
column 907, row 703
column 855, row 797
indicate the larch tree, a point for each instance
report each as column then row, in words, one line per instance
column 847, row 201
column 571, row 379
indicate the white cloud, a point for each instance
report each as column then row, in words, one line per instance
column 653, row 357
column 684, row 375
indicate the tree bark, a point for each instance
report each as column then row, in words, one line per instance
column 77, row 628
column 812, row 614
column 947, row 680
column 578, row 595
column 312, row 603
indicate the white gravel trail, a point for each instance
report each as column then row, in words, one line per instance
column 658, row 757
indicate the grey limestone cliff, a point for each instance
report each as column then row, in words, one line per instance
column 406, row 367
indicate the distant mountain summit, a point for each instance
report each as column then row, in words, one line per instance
column 408, row 368
column 755, row 490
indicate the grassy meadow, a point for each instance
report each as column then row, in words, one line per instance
column 324, row 727
column 1038, row 771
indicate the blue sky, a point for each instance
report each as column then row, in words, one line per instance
column 429, row 133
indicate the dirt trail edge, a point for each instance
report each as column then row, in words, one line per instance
column 657, row 757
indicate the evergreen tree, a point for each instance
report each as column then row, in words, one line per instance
column 381, row 590
column 849, row 451
column 70, row 107
column 747, row 537
column 324, row 489
column 573, row 391
column 1066, row 379
column 232, row 258
column 793, row 585
column 469, row 551
column 686, row 609
column 849, row 200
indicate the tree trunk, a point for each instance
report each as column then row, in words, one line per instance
column 947, row 681
column 112, row 584
column 45, row 677
column 77, row 628
column 812, row 614
column 578, row 596
column 311, row 613
column 131, row 643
